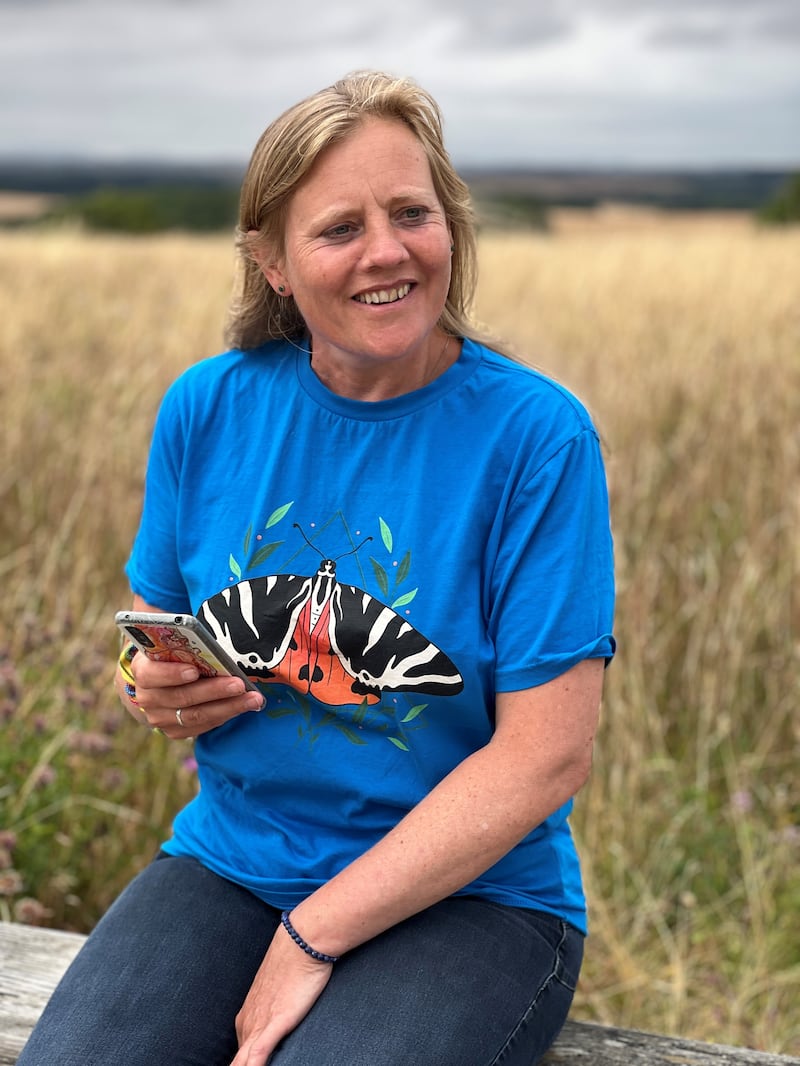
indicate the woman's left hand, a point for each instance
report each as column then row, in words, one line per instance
column 286, row 987
column 539, row 756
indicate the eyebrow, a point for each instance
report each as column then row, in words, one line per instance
column 336, row 211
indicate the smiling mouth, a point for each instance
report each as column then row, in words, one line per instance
column 384, row 296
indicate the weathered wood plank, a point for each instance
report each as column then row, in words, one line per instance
column 585, row 1044
column 32, row 960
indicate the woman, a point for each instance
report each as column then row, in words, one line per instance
column 403, row 536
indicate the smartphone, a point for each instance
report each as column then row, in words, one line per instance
column 179, row 638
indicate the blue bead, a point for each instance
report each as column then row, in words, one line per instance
column 290, row 929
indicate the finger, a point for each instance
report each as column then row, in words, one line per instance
column 213, row 694
column 151, row 673
column 241, row 1057
column 200, row 718
column 255, row 1051
column 207, row 690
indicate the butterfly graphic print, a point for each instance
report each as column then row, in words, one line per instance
column 329, row 639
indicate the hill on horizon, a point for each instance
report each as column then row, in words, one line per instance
column 745, row 188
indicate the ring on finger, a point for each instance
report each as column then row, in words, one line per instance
column 179, row 716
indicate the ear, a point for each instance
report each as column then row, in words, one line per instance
column 272, row 271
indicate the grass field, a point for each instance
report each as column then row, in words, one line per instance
column 683, row 338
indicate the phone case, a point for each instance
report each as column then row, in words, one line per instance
column 179, row 638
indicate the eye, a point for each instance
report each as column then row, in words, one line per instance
column 341, row 229
column 414, row 214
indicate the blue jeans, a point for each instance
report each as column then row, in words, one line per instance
column 160, row 980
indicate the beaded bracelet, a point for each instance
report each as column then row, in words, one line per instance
column 318, row 955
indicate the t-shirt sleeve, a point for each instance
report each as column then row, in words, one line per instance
column 553, row 588
column 153, row 568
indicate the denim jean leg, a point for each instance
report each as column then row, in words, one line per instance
column 547, row 1013
column 160, row 980
column 161, row 977
column 465, row 983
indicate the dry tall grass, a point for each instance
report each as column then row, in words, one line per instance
column 684, row 341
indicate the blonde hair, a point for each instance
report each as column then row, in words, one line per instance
column 284, row 155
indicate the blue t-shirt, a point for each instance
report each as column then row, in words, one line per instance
column 382, row 569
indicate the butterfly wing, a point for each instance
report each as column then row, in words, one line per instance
column 255, row 621
column 356, row 647
column 382, row 651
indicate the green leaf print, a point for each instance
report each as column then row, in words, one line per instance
column 412, row 714
column 386, row 535
column 235, row 568
column 399, row 744
column 380, row 576
column 361, row 713
column 263, row 553
column 351, row 735
column 278, row 712
column 247, row 536
column 403, row 569
column 277, row 515
column 403, row 600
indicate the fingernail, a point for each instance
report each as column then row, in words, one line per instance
column 234, row 687
column 190, row 674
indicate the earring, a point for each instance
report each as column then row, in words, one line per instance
column 452, row 248
column 281, row 288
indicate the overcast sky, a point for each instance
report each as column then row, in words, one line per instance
column 572, row 82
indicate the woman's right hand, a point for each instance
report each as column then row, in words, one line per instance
column 163, row 688
column 205, row 703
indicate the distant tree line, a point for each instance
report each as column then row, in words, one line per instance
column 512, row 201
column 152, row 210
column 784, row 207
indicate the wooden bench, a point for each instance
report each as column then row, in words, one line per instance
column 32, row 960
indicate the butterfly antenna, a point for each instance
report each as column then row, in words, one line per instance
column 308, row 542
column 322, row 554
column 361, row 545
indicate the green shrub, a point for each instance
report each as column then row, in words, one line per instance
column 152, row 210
column 784, row 207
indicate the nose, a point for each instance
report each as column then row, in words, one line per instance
column 383, row 246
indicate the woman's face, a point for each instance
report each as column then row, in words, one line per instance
column 367, row 259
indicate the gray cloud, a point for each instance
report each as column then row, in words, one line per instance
column 707, row 23
column 783, row 26
column 513, row 24
column 722, row 9
column 565, row 81
column 689, row 35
